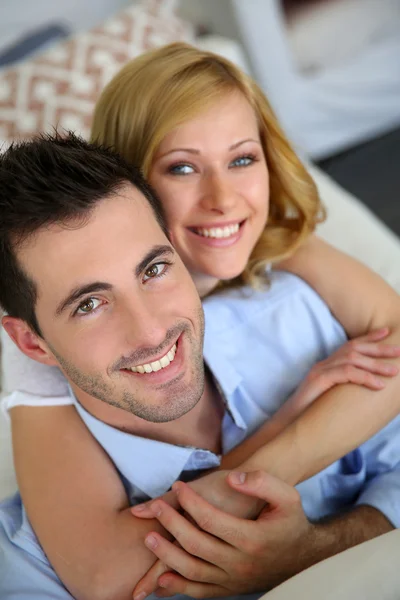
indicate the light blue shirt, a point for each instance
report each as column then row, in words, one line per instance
column 259, row 346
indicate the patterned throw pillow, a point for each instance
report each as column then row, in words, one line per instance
column 60, row 87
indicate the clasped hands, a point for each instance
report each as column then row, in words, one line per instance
column 221, row 554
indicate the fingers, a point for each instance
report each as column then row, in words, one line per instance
column 372, row 365
column 211, row 520
column 347, row 374
column 149, row 582
column 181, row 561
column 377, row 350
column 144, row 510
column 195, row 542
column 275, row 492
column 375, row 335
column 171, row 584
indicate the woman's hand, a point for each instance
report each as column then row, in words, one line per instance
column 360, row 361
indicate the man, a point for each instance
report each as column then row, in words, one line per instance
column 125, row 325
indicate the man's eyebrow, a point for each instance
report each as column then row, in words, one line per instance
column 152, row 254
column 82, row 290
column 101, row 286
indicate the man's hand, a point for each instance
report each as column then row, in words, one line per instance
column 221, row 555
column 214, row 488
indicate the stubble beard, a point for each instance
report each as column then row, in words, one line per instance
column 179, row 399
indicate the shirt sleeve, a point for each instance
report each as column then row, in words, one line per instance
column 382, row 487
column 24, row 569
column 22, row 374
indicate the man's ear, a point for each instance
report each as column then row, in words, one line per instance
column 28, row 341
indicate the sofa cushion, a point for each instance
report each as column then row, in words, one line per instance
column 60, row 87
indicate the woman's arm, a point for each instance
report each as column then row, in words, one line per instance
column 346, row 415
column 77, row 504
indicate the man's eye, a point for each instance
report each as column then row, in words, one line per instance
column 243, row 161
column 181, row 169
column 88, row 306
column 156, row 270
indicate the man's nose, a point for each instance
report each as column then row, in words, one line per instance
column 218, row 194
column 144, row 324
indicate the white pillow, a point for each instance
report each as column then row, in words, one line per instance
column 368, row 571
column 354, row 229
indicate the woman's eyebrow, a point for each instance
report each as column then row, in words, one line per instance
column 194, row 151
column 237, row 144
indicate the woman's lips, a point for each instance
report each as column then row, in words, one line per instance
column 221, row 235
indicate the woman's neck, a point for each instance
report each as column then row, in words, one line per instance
column 205, row 284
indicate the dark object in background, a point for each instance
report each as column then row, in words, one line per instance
column 371, row 171
column 33, row 42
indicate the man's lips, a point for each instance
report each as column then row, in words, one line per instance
column 160, row 374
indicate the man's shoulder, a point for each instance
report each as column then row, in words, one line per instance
column 284, row 293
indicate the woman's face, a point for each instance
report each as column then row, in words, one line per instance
column 212, row 178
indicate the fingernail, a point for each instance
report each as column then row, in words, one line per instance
column 140, row 596
column 162, row 585
column 151, row 541
column 138, row 507
column 237, row 477
column 176, row 488
column 155, row 508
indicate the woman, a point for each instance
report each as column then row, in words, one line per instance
column 209, row 144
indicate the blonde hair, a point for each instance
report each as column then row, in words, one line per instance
column 163, row 88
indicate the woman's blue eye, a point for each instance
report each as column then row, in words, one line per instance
column 182, row 169
column 243, row 161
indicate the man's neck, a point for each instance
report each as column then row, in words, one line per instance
column 200, row 427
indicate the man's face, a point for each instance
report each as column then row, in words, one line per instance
column 118, row 310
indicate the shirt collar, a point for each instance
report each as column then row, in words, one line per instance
column 150, row 465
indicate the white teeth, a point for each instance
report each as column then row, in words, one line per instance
column 157, row 365
column 164, row 362
column 219, row 232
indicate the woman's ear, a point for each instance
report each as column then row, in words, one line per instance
column 28, row 342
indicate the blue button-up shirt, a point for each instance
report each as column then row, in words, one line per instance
column 259, row 346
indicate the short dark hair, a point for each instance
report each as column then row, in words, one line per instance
column 53, row 178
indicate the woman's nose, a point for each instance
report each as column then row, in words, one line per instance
column 218, row 195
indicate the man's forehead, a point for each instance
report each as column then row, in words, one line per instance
column 120, row 225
